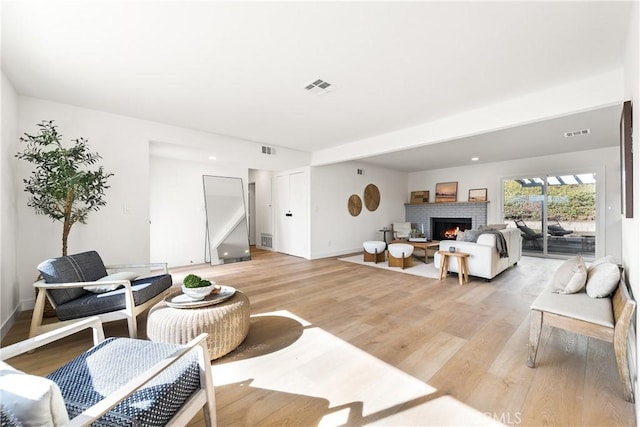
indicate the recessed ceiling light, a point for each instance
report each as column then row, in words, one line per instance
column 475, row 159
column 212, row 157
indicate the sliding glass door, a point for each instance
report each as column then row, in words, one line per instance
column 556, row 214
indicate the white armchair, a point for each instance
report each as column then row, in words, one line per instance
column 401, row 230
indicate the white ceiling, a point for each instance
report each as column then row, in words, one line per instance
column 239, row 68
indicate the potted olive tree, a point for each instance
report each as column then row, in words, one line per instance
column 61, row 185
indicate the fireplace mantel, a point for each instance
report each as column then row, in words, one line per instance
column 446, row 203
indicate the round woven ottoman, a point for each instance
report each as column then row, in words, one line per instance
column 227, row 324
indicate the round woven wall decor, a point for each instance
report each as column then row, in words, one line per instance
column 354, row 205
column 371, row 197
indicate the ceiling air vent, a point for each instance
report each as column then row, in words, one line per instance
column 319, row 86
column 577, row 133
column 268, row 150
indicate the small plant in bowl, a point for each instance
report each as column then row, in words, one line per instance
column 196, row 287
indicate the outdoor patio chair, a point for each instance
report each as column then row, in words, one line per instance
column 555, row 229
column 528, row 235
column 118, row 382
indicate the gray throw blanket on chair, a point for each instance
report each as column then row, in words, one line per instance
column 501, row 243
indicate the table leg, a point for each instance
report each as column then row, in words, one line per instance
column 460, row 270
column 443, row 263
column 465, row 264
column 463, row 272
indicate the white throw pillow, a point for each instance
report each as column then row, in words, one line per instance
column 120, row 275
column 35, row 401
column 603, row 260
column 571, row 276
column 603, row 280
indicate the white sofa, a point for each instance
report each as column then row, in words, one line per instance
column 484, row 260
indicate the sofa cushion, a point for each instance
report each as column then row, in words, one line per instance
column 602, row 280
column 570, row 277
column 486, row 239
column 492, row 227
column 91, row 304
column 82, row 267
column 90, row 377
column 29, row 399
column 577, row 306
column 471, row 235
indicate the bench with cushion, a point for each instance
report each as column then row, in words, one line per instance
column 591, row 313
column 79, row 286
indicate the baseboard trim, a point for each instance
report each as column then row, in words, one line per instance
column 11, row 320
column 340, row 252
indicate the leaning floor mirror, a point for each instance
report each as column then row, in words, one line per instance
column 227, row 233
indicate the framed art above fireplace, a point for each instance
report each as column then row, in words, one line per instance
column 446, row 192
column 478, row 195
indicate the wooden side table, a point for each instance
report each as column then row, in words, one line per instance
column 463, row 268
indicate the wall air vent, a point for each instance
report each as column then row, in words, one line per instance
column 318, row 86
column 360, row 171
column 577, row 133
column 266, row 240
column 268, row 150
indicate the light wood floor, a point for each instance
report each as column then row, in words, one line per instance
column 335, row 343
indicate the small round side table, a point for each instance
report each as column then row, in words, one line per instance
column 463, row 268
column 227, row 324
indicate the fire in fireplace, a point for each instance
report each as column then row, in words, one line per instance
column 448, row 228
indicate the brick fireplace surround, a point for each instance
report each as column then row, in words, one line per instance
column 420, row 214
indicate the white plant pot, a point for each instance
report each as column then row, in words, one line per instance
column 197, row 294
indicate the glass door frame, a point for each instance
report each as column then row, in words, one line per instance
column 600, row 206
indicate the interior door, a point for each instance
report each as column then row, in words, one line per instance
column 283, row 212
column 292, row 236
column 298, row 218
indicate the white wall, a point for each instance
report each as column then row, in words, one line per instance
column 120, row 231
column 177, row 208
column 490, row 176
column 9, row 295
column 333, row 230
column 631, row 227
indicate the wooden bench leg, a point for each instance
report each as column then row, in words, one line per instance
column 534, row 337
column 620, row 349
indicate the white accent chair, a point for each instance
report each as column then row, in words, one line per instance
column 374, row 251
column 401, row 230
column 400, row 255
